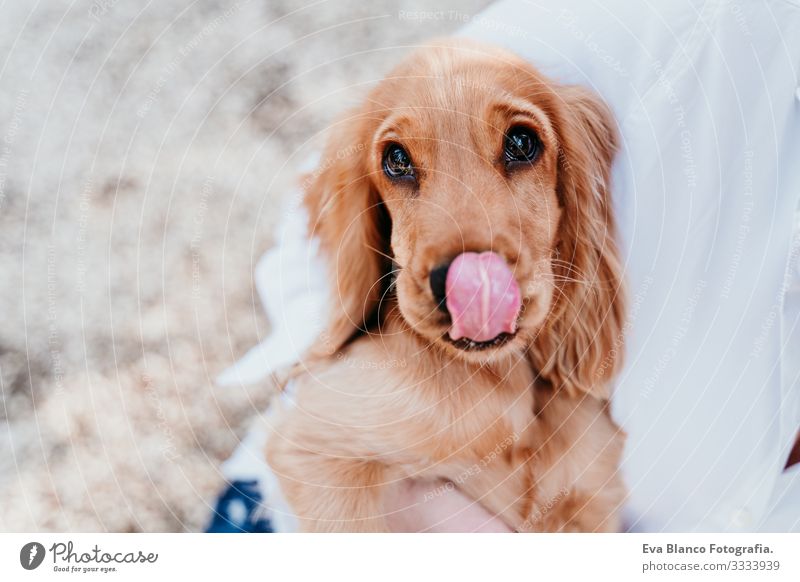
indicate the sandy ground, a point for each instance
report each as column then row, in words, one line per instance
column 144, row 152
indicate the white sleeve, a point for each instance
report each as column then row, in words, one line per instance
column 783, row 514
column 291, row 280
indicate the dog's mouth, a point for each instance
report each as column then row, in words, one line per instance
column 483, row 300
column 468, row 345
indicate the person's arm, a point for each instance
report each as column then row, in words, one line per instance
column 410, row 507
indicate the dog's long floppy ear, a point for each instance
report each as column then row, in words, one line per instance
column 580, row 348
column 347, row 217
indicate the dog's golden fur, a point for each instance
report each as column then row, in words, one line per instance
column 523, row 427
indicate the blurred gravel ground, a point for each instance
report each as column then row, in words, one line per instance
column 144, row 152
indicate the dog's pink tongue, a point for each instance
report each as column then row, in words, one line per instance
column 482, row 297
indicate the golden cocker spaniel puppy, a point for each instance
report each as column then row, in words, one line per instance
column 478, row 310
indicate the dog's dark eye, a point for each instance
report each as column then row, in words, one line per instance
column 521, row 145
column 397, row 163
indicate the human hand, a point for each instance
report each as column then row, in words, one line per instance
column 436, row 506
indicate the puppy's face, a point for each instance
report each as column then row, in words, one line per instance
column 464, row 159
column 481, row 188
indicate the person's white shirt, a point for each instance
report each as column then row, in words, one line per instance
column 706, row 190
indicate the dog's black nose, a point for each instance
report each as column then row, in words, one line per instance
column 438, row 278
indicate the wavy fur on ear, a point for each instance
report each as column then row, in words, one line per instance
column 346, row 215
column 577, row 350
